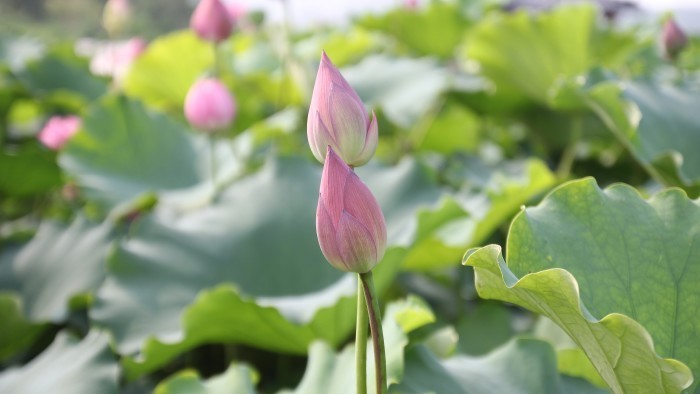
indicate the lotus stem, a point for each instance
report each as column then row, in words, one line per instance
column 375, row 323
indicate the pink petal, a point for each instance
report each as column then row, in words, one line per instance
column 361, row 204
column 335, row 174
column 356, row 244
column 349, row 122
column 326, row 233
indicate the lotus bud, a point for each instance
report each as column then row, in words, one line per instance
column 58, row 130
column 116, row 16
column 673, row 40
column 349, row 222
column 211, row 21
column 338, row 118
column 209, row 106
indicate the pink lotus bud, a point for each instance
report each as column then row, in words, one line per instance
column 338, row 118
column 209, row 106
column 116, row 16
column 673, row 40
column 210, row 20
column 349, row 223
column 58, row 131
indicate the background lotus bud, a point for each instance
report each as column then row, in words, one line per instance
column 673, row 40
column 211, row 21
column 209, row 106
column 58, row 130
column 338, row 118
column 116, row 16
column 235, row 11
column 114, row 59
column 349, row 223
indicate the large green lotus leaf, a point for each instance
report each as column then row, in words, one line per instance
column 16, row 333
column 62, row 76
column 258, row 236
column 529, row 53
column 522, row 365
column 404, row 88
column 163, row 74
column 330, row 372
column 467, row 220
column 123, row 151
column 433, row 30
column 28, row 170
column 68, row 366
column 659, row 125
column 60, row 262
column 238, row 379
column 636, row 263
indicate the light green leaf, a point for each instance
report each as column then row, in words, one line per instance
column 60, row 262
column 520, row 366
column 658, row 124
column 468, row 218
column 163, row 74
column 635, row 259
column 68, row 366
column 432, row 30
column 330, row 372
column 124, row 151
column 529, row 53
column 238, row 379
column 404, row 88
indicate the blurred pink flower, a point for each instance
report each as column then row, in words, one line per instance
column 209, row 106
column 338, row 118
column 116, row 16
column 235, row 11
column 673, row 39
column 58, row 130
column 114, row 59
column 349, row 222
column 211, row 21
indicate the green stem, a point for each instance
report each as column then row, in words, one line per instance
column 361, row 341
column 217, row 61
column 375, row 323
column 569, row 155
column 212, row 152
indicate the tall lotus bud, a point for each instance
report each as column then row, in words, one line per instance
column 116, row 16
column 211, row 21
column 338, row 118
column 58, row 130
column 209, row 106
column 349, row 223
column 673, row 40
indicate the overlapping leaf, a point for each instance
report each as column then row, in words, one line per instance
column 633, row 259
column 68, row 366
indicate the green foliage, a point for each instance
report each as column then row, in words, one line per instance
column 181, row 262
column 633, row 258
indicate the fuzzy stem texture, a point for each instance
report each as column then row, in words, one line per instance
column 375, row 323
column 361, row 340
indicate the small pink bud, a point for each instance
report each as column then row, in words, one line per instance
column 349, row 222
column 209, row 106
column 211, row 21
column 116, row 16
column 338, row 118
column 673, row 40
column 58, row 131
